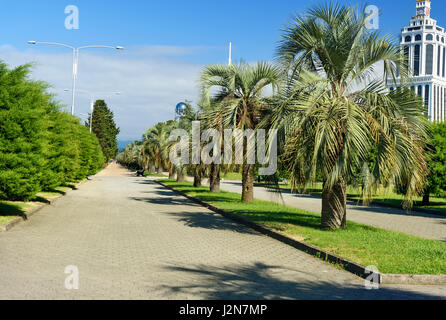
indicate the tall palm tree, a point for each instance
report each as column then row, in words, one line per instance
column 334, row 111
column 239, row 101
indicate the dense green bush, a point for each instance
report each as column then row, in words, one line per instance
column 40, row 147
column 437, row 160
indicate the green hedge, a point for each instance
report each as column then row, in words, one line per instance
column 40, row 147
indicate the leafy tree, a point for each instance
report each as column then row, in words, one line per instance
column 333, row 117
column 104, row 127
column 437, row 163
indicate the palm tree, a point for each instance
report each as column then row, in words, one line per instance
column 333, row 115
column 131, row 156
column 155, row 144
column 239, row 103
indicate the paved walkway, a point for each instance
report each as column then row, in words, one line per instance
column 132, row 239
column 416, row 223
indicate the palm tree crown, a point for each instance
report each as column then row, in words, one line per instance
column 335, row 113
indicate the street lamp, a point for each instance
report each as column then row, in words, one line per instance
column 75, row 60
column 92, row 98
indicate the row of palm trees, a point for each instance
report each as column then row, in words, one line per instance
column 335, row 118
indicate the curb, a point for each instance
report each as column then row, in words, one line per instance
column 27, row 215
column 352, row 267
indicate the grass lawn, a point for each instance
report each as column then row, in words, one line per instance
column 384, row 195
column 232, row 176
column 390, row 251
column 9, row 210
column 157, row 175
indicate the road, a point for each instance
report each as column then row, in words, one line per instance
column 130, row 238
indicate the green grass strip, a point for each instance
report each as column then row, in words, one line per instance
column 384, row 196
column 390, row 251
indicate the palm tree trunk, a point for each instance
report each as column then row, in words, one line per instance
column 171, row 172
column 180, row 175
column 214, row 178
column 334, row 207
column 160, row 170
column 426, row 198
column 247, row 183
column 152, row 168
column 197, row 177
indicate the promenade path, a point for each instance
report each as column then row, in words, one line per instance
column 132, row 239
column 415, row 223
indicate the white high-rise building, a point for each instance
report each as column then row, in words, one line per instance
column 423, row 42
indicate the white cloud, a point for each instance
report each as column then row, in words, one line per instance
column 152, row 80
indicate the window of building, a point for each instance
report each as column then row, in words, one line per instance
column 418, row 37
column 429, row 59
column 416, row 61
column 429, row 37
column 420, row 90
column 408, row 39
column 444, row 61
column 439, row 61
column 426, row 95
column 438, row 38
column 406, row 55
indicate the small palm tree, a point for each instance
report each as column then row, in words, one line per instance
column 334, row 115
column 155, row 144
column 239, row 103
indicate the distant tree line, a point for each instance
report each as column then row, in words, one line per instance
column 41, row 147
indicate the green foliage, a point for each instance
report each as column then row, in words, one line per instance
column 153, row 151
column 332, row 118
column 40, row 147
column 437, row 160
column 105, row 129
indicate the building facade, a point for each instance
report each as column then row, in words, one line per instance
column 423, row 43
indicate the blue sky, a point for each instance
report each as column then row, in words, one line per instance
column 167, row 44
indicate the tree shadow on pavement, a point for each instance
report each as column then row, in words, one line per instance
column 259, row 281
column 211, row 221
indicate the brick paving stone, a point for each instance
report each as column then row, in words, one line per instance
column 132, row 239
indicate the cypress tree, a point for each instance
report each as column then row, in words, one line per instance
column 40, row 147
column 105, row 129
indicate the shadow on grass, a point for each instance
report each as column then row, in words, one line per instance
column 10, row 210
column 259, row 281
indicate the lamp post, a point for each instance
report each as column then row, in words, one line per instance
column 75, row 61
column 92, row 98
